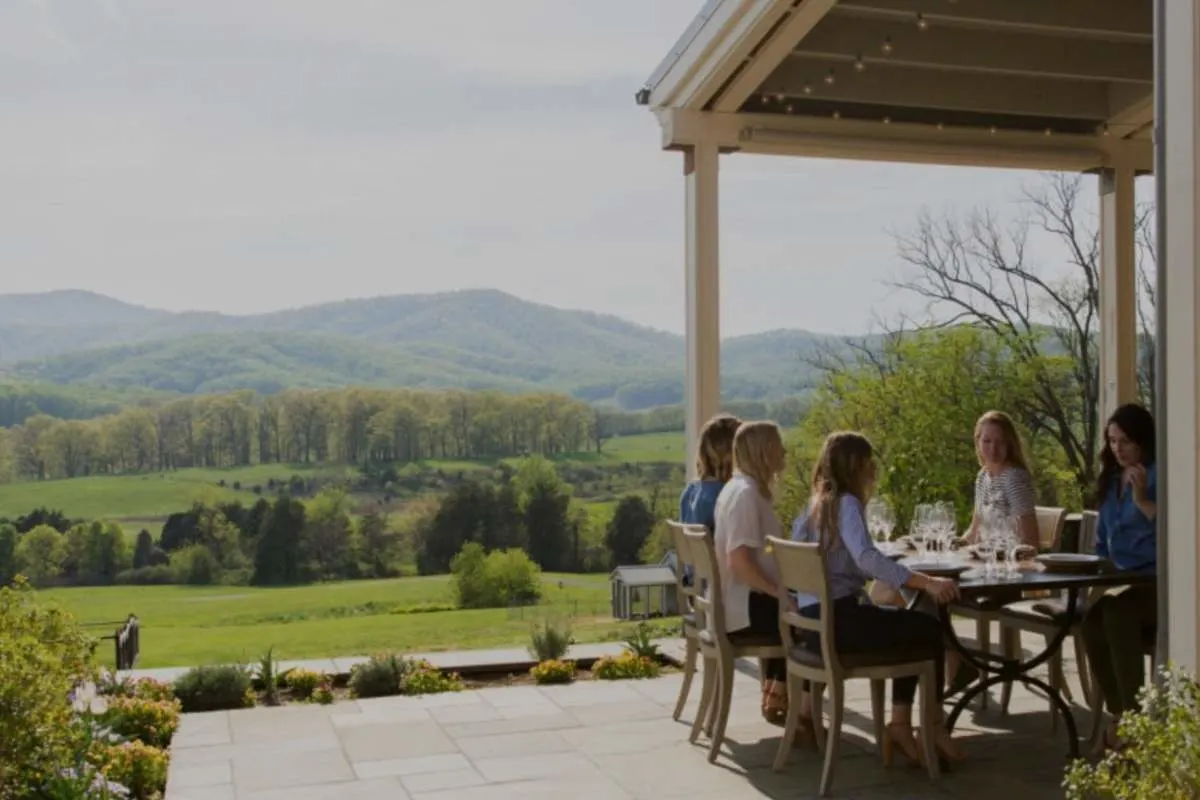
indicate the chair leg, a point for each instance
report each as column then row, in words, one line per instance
column 930, row 719
column 793, row 721
column 1083, row 668
column 837, row 691
column 724, row 699
column 1010, row 639
column 816, row 690
column 877, row 688
column 708, row 686
column 983, row 635
column 689, row 672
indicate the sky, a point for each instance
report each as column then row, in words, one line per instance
column 250, row 155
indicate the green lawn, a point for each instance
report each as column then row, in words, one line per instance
column 183, row 625
column 646, row 447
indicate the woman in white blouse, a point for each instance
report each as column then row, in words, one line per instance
column 749, row 578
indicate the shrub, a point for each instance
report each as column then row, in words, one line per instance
column 303, row 682
column 554, row 671
column 141, row 688
column 323, row 694
column 424, row 678
column 1161, row 756
column 135, row 765
column 496, row 580
column 626, row 665
column 151, row 722
column 641, row 642
column 214, row 689
column 43, row 656
column 195, row 565
column 146, row 576
column 549, row 641
column 267, row 674
column 380, row 676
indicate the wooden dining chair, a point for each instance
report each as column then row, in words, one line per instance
column 686, row 600
column 802, row 569
column 718, row 648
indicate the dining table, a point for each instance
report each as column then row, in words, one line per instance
column 981, row 589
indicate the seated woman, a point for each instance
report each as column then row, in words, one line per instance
column 1003, row 484
column 842, row 483
column 749, row 579
column 1126, row 535
column 714, row 466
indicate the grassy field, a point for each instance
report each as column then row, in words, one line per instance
column 144, row 500
column 183, row 625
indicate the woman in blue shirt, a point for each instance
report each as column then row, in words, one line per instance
column 843, row 481
column 1116, row 624
column 714, row 465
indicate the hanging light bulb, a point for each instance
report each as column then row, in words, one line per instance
column 1104, row 131
column 922, row 23
column 859, row 64
column 1049, row 132
column 807, row 87
column 887, row 120
column 831, row 78
column 790, row 108
column 992, row 130
column 887, row 47
column 941, row 127
column 837, row 115
column 779, row 97
column 766, row 98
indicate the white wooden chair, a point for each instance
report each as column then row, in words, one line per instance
column 686, row 600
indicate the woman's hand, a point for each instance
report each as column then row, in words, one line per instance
column 1136, row 477
column 942, row 590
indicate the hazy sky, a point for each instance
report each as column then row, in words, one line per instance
column 249, row 155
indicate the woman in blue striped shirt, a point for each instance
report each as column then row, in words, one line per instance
column 843, row 481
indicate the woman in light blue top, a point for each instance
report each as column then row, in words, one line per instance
column 843, row 481
column 714, row 466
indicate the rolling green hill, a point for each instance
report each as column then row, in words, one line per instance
column 479, row 339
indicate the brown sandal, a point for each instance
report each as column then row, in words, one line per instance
column 774, row 704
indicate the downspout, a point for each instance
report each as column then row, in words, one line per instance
column 1163, row 642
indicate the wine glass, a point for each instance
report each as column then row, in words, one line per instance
column 886, row 519
column 949, row 526
column 920, row 528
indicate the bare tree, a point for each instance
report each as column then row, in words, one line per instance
column 977, row 270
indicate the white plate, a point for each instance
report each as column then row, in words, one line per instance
column 1068, row 558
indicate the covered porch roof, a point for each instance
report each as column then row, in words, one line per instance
column 1031, row 84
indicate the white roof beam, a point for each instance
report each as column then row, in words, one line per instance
column 900, row 87
column 815, row 137
column 790, row 29
column 977, row 50
column 1131, row 20
column 1131, row 110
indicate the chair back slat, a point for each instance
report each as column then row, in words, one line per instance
column 1089, row 526
column 709, row 604
column 684, row 562
column 802, row 569
column 1050, row 521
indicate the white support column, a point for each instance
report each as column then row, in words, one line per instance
column 1180, row 34
column 702, row 387
column 1118, row 291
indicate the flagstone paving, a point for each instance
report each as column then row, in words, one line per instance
column 585, row 741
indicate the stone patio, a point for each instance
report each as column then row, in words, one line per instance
column 590, row 740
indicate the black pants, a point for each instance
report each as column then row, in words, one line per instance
column 764, row 618
column 866, row 628
column 1113, row 632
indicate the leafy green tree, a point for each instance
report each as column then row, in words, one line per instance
column 8, row 553
column 628, row 530
column 143, row 549
column 327, row 534
column 494, row 580
column 195, row 565
column 41, row 554
column 277, row 561
column 544, row 502
column 96, row 552
column 376, row 545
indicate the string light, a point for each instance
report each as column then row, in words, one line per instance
column 766, row 98
column 1105, row 131
column 992, row 130
column 859, row 64
column 887, row 120
column 779, row 97
column 1049, row 132
column 941, row 126
column 831, row 78
column 922, row 23
column 837, row 115
column 789, row 108
column 807, row 88
column 887, row 47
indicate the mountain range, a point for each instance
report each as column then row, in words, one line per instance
column 474, row 339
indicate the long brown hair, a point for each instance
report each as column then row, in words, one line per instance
column 714, row 453
column 1138, row 426
column 841, row 469
column 1014, row 449
column 758, row 453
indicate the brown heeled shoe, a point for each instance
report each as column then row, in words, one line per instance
column 947, row 751
column 774, row 705
column 899, row 736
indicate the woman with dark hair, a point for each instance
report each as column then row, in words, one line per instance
column 1115, row 625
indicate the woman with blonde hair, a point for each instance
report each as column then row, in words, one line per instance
column 749, row 578
column 1003, row 485
column 843, row 481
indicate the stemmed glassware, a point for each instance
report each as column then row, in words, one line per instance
column 881, row 520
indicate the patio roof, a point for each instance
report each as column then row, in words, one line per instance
column 1008, row 83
